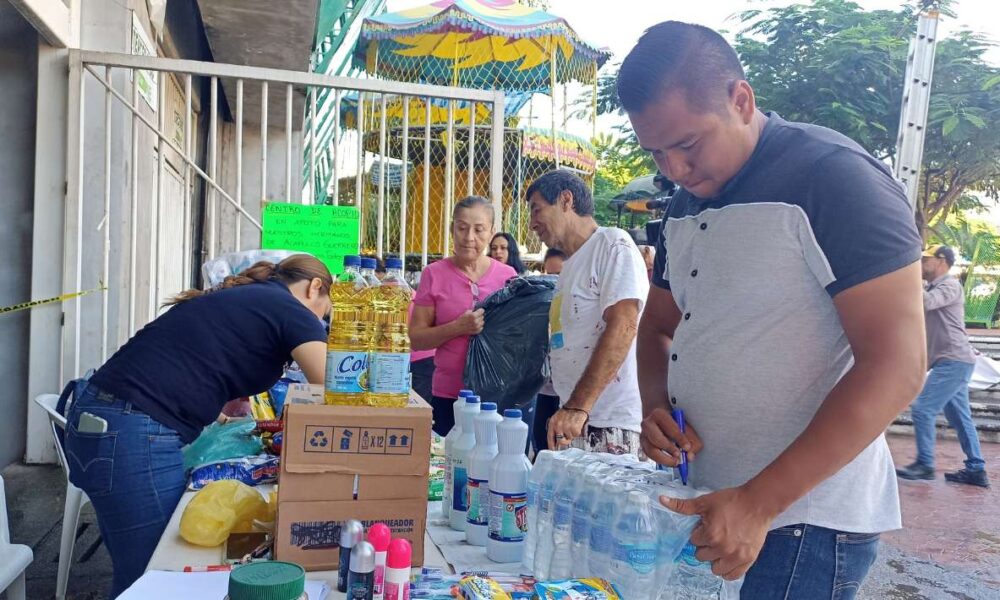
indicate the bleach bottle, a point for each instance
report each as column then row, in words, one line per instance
column 461, row 450
column 508, row 520
column 478, row 485
column 449, row 443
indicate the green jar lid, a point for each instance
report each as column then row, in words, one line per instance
column 267, row 580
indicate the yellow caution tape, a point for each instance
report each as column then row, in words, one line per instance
column 34, row 303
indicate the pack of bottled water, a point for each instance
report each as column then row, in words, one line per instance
column 599, row 515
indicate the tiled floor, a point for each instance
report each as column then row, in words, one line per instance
column 953, row 525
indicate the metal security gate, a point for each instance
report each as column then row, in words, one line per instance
column 169, row 163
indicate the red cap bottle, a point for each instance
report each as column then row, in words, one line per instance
column 397, row 572
column 379, row 535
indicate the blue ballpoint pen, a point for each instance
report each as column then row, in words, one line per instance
column 682, row 468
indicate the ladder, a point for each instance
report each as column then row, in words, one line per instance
column 916, row 99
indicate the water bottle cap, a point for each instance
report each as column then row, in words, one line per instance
column 400, row 554
column 368, row 262
column 379, row 535
column 512, row 413
column 465, row 393
column 488, row 406
column 472, row 400
column 393, row 263
column 352, row 261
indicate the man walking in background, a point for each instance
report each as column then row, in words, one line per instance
column 952, row 361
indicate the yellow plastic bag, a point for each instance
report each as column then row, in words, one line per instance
column 221, row 508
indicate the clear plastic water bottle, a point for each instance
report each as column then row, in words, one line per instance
column 583, row 505
column 538, row 472
column 634, row 558
column 601, row 522
column 546, row 510
column 561, row 566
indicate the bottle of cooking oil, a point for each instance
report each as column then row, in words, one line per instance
column 390, row 352
column 350, row 338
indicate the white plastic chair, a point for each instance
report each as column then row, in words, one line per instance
column 14, row 558
column 75, row 498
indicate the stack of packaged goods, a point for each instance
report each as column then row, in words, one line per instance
column 368, row 350
column 363, row 454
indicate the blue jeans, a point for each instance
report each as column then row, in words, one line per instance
column 133, row 474
column 947, row 389
column 805, row 561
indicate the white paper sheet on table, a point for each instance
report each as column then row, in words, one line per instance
column 460, row 555
column 170, row 585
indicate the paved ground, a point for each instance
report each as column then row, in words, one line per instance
column 948, row 550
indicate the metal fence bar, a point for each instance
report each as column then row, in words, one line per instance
column 209, row 180
column 263, row 143
column 336, row 147
column 312, row 145
column 155, row 241
column 360, row 176
column 427, row 181
column 471, row 148
column 74, row 210
column 134, row 208
column 380, row 224
column 213, row 134
column 239, row 159
column 279, row 76
column 106, row 220
column 404, row 186
column 496, row 161
column 186, row 260
column 449, row 178
column 288, row 145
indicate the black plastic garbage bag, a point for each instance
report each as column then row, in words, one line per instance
column 505, row 361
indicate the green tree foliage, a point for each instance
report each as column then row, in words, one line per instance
column 831, row 63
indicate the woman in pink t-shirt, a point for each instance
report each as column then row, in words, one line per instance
column 444, row 315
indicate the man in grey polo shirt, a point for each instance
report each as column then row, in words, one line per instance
column 785, row 320
column 952, row 361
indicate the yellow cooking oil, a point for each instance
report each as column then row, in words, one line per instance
column 390, row 349
column 351, row 332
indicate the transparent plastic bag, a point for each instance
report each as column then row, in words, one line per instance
column 223, row 441
column 217, row 269
column 221, row 508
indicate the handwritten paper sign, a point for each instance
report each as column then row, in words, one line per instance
column 327, row 232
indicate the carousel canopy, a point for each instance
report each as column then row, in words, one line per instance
column 485, row 44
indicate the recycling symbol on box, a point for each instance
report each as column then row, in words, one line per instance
column 319, row 440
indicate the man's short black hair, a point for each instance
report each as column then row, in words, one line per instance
column 553, row 183
column 554, row 253
column 675, row 56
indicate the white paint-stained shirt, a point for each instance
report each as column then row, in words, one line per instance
column 606, row 270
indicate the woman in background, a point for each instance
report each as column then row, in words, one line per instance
column 445, row 313
column 503, row 248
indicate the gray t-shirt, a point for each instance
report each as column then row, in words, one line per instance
column 760, row 345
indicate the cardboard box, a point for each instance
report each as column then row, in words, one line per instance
column 308, row 533
column 346, row 462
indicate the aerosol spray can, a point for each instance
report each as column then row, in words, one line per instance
column 350, row 534
column 361, row 577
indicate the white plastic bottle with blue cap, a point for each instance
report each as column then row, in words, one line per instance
column 478, row 485
column 449, row 443
column 461, row 450
column 508, row 519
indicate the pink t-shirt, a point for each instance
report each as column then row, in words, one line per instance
column 449, row 291
column 416, row 355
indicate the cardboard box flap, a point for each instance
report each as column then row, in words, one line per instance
column 357, row 440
